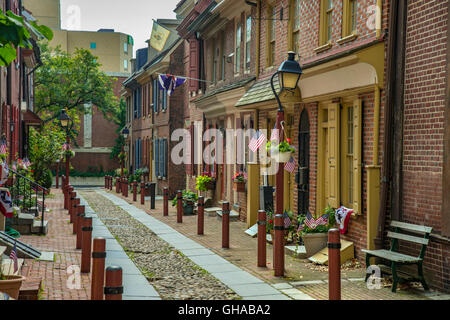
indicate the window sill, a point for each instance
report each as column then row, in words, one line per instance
column 323, row 48
column 348, row 38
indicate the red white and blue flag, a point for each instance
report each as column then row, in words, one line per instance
column 169, row 82
column 257, row 140
column 290, row 166
column 313, row 223
column 13, row 257
column 275, row 136
column 3, row 149
column 286, row 219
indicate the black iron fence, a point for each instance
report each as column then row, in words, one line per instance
column 27, row 194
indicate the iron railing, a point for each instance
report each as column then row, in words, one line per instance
column 25, row 194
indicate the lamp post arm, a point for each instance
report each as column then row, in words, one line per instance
column 280, row 107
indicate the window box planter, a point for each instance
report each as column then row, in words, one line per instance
column 281, row 157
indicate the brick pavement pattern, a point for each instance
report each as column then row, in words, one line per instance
column 243, row 253
column 61, row 241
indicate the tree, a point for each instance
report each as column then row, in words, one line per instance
column 120, row 120
column 15, row 32
column 66, row 81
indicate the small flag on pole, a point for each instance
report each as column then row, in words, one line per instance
column 3, row 149
column 257, row 140
column 169, row 82
column 275, row 136
column 287, row 220
column 13, row 257
column 290, row 166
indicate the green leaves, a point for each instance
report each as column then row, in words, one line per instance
column 15, row 31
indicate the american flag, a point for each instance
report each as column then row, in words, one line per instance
column 65, row 146
column 313, row 223
column 275, row 135
column 169, row 82
column 26, row 162
column 13, row 257
column 3, row 148
column 290, row 166
column 257, row 141
column 287, row 220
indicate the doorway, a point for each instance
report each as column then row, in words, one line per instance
column 303, row 164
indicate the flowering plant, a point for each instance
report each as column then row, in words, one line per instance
column 203, row 182
column 239, row 177
column 283, row 146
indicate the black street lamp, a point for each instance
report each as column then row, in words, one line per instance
column 125, row 133
column 289, row 74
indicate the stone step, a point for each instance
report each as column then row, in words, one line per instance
column 234, row 215
column 296, row 251
column 25, row 218
column 36, row 227
column 211, row 212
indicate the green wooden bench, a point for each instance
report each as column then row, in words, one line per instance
column 396, row 258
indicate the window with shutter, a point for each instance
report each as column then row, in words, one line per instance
column 156, row 142
column 164, row 100
column 161, row 157
column 165, row 157
column 194, row 64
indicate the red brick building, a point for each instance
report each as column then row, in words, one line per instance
column 17, row 92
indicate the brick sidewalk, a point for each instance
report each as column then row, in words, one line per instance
column 243, row 253
column 61, row 241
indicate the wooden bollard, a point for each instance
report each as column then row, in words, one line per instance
column 74, row 211
column 79, row 224
column 262, row 250
column 76, row 221
column 98, row 268
column 225, row 224
column 72, row 197
column 86, row 244
column 106, row 179
column 142, row 193
column 179, row 206
column 125, row 188
column 134, row 183
column 117, row 184
column 166, row 201
column 111, row 183
column 278, row 246
column 113, row 283
column 200, row 215
column 63, row 182
column 152, row 195
column 334, row 265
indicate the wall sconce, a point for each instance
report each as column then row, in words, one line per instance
column 230, row 57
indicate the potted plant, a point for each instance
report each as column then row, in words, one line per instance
column 10, row 283
column 315, row 232
column 189, row 198
column 239, row 181
column 281, row 152
column 289, row 231
column 205, row 183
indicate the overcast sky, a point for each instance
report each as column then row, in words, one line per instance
column 133, row 17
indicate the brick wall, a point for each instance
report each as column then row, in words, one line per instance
column 425, row 84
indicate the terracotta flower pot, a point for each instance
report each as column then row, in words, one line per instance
column 239, row 186
column 11, row 285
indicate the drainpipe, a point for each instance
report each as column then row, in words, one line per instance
column 258, row 34
column 397, row 24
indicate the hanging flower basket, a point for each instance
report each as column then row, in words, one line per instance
column 281, row 157
column 239, row 186
column 281, row 152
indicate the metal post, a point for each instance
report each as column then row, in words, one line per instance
column 166, row 201
column 201, row 215
column 142, row 193
column 113, row 283
column 278, row 246
column 134, row 191
column 179, row 206
column 262, row 252
column 98, row 268
column 334, row 265
column 86, row 243
column 225, row 224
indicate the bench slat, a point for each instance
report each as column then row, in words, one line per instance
column 412, row 227
column 391, row 255
column 405, row 237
